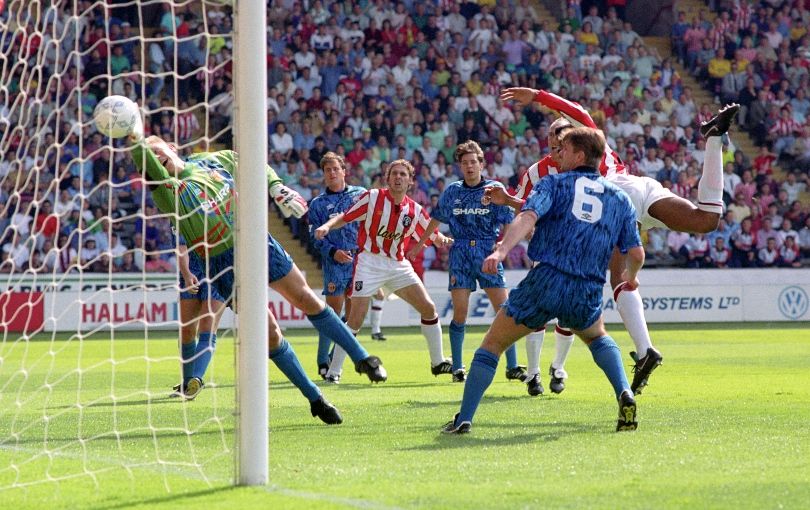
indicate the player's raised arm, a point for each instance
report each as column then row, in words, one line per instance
column 146, row 159
column 333, row 223
column 574, row 112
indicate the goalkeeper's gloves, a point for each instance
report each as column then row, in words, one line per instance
column 136, row 132
column 288, row 200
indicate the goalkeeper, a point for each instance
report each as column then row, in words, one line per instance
column 200, row 194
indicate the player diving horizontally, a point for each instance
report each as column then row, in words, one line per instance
column 388, row 218
column 200, row 194
column 595, row 216
column 655, row 206
column 475, row 230
column 338, row 250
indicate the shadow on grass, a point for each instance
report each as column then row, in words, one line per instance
column 119, row 437
column 148, row 503
column 545, row 432
column 367, row 384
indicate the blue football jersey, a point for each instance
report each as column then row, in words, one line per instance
column 581, row 218
column 325, row 206
column 460, row 207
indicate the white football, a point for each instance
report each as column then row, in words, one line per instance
column 116, row 116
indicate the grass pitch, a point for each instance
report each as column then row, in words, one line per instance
column 725, row 423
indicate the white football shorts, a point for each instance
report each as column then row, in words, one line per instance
column 373, row 272
column 643, row 192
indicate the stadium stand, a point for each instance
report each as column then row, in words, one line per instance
column 379, row 80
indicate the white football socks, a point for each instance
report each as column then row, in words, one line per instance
column 432, row 331
column 631, row 309
column 710, row 186
column 564, row 339
column 534, row 344
column 338, row 357
column 375, row 317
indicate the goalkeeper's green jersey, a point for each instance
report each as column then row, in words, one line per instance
column 201, row 199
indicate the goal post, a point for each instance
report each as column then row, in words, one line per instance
column 250, row 107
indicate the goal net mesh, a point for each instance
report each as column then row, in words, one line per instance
column 89, row 316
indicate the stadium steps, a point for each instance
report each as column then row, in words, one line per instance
column 305, row 262
column 739, row 138
column 553, row 22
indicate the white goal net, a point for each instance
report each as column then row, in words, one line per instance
column 89, row 315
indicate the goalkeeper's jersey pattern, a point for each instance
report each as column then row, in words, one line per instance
column 327, row 205
column 577, row 115
column 591, row 214
column 460, row 207
column 201, row 199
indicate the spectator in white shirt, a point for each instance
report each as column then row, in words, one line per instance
column 730, row 179
column 651, row 164
column 281, row 141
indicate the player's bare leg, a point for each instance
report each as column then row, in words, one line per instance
column 631, row 309
column 607, row 356
column 678, row 213
column 514, row 372
column 416, row 296
column 293, row 287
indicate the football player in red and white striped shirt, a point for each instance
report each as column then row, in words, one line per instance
column 390, row 219
column 655, row 206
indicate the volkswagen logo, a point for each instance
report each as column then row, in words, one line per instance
column 793, row 302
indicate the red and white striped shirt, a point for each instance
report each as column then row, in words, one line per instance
column 742, row 15
column 387, row 226
column 611, row 162
column 535, row 172
column 185, row 124
column 785, row 127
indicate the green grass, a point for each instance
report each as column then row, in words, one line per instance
column 725, row 423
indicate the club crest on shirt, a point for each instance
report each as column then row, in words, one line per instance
column 358, row 286
column 331, row 287
column 406, row 221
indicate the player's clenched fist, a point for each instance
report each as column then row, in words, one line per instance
column 288, row 200
column 490, row 265
column 321, row 232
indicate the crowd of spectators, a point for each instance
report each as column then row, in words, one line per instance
column 756, row 54
column 381, row 80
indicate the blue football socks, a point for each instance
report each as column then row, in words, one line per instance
column 323, row 349
column 457, row 344
column 204, row 352
column 187, row 352
column 608, row 357
column 482, row 370
column 328, row 323
column 511, row 357
column 285, row 359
